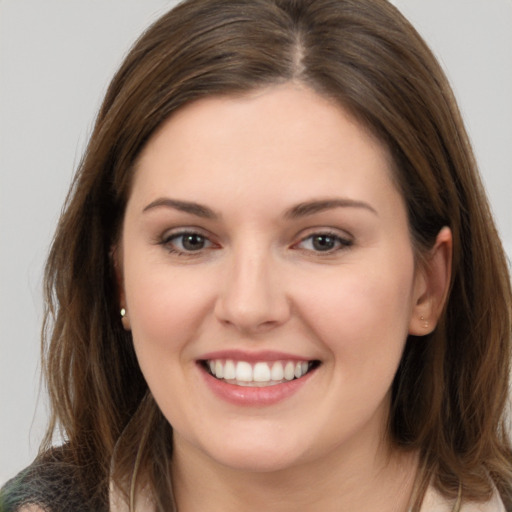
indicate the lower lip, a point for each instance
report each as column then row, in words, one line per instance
column 254, row 396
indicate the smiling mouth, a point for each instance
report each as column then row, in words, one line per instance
column 258, row 374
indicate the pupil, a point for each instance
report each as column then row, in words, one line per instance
column 193, row 242
column 323, row 242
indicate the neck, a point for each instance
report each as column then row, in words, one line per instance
column 377, row 479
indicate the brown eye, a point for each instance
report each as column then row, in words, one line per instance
column 186, row 242
column 193, row 242
column 324, row 242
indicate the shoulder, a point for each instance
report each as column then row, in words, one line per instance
column 435, row 502
column 47, row 485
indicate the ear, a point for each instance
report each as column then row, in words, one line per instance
column 116, row 259
column 431, row 285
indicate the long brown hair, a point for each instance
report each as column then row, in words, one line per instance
column 450, row 391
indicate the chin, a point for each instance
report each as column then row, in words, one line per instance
column 264, row 460
column 256, row 451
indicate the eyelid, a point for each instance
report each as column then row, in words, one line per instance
column 344, row 240
column 175, row 233
column 166, row 238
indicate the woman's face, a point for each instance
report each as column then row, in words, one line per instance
column 269, row 279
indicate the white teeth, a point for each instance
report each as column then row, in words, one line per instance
column 243, row 372
column 261, row 373
column 277, row 372
column 219, row 370
column 229, row 370
column 289, row 371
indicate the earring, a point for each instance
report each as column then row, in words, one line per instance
column 425, row 322
column 125, row 320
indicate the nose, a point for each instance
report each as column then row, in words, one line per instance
column 252, row 297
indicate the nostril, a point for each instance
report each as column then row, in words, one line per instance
column 251, row 300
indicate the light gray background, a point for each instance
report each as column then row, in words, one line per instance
column 56, row 58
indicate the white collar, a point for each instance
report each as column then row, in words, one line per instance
column 435, row 502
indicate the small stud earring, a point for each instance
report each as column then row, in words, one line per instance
column 123, row 312
column 425, row 322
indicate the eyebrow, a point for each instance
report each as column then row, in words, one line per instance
column 312, row 207
column 183, row 206
column 300, row 210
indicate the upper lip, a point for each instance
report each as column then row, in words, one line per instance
column 261, row 355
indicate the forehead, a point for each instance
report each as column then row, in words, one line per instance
column 284, row 141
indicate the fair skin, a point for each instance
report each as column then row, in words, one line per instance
column 266, row 231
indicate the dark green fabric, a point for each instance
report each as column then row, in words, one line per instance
column 48, row 482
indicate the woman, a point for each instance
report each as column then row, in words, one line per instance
column 276, row 283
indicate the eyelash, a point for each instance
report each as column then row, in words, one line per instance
column 167, row 242
column 340, row 242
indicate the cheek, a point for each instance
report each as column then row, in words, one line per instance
column 165, row 305
column 362, row 314
column 167, row 309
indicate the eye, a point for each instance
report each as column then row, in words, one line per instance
column 186, row 242
column 323, row 242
